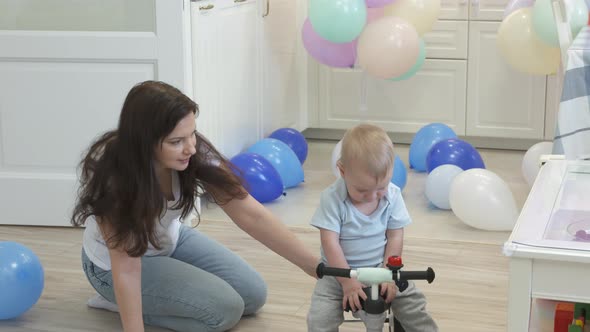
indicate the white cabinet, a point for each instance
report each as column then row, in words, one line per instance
column 282, row 66
column 435, row 94
column 501, row 102
column 226, row 72
column 464, row 83
column 246, row 67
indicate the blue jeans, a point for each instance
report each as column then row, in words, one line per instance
column 203, row 286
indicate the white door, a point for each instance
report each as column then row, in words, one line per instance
column 65, row 68
column 501, row 102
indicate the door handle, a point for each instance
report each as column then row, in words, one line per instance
column 267, row 12
column 207, row 7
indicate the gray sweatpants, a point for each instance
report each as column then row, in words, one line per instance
column 326, row 314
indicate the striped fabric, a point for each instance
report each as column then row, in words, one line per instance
column 572, row 134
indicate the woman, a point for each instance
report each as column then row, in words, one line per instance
column 137, row 182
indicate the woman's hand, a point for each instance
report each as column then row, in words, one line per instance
column 352, row 290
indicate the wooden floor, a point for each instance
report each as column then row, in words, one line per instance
column 469, row 293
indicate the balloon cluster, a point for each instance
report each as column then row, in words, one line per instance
column 272, row 164
column 382, row 36
column 457, row 179
column 528, row 38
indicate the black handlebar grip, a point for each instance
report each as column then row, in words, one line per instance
column 322, row 270
column 417, row 275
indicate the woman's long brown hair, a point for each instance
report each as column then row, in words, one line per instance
column 118, row 183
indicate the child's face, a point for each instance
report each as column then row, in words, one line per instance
column 362, row 186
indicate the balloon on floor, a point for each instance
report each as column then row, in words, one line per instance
column 336, row 153
column 530, row 161
column 438, row 185
column 283, row 159
column 481, row 199
column 423, row 141
column 21, row 279
column 453, row 151
column 294, row 139
column 261, row 179
column 400, row 174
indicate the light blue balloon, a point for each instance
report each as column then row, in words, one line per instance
column 438, row 185
column 416, row 67
column 338, row 21
column 21, row 279
column 400, row 174
column 544, row 22
column 424, row 139
column 283, row 159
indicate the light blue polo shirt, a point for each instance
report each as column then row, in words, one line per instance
column 362, row 237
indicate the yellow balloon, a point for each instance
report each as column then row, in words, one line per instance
column 522, row 49
column 420, row 13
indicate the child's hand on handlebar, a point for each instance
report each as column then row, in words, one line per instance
column 352, row 289
column 388, row 291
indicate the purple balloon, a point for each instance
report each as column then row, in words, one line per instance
column 378, row 3
column 514, row 5
column 325, row 52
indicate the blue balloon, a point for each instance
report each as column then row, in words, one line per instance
column 423, row 141
column 455, row 152
column 21, row 279
column 400, row 175
column 282, row 158
column 263, row 181
column 294, row 139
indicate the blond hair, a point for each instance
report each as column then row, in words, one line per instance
column 371, row 146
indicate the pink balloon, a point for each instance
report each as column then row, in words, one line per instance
column 341, row 55
column 378, row 3
column 514, row 5
column 388, row 47
column 374, row 14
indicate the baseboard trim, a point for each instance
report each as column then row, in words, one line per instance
column 522, row 144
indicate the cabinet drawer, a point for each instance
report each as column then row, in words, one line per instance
column 447, row 40
column 487, row 10
column 435, row 94
column 454, row 10
column 569, row 284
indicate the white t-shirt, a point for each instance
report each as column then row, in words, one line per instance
column 167, row 232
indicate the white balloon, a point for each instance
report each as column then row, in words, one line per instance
column 438, row 185
column 530, row 161
column 481, row 199
column 335, row 157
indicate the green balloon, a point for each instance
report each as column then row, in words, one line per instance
column 339, row 21
column 416, row 67
column 544, row 22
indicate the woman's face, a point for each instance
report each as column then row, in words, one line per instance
column 177, row 148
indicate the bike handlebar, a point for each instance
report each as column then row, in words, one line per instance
column 428, row 275
column 322, row 270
